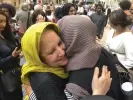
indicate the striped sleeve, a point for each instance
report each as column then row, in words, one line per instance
column 68, row 95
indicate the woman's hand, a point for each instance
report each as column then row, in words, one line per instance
column 16, row 52
column 101, row 85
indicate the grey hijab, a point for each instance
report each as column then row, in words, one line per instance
column 79, row 35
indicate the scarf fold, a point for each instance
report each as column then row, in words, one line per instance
column 30, row 48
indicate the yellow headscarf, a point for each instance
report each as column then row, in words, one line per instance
column 30, row 46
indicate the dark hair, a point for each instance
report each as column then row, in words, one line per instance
column 7, row 34
column 99, row 5
column 66, row 7
column 31, row 6
column 36, row 13
column 58, row 13
column 118, row 17
column 125, row 5
column 11, row 9
column 48, row 10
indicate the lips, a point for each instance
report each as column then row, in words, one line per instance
column 62, row 58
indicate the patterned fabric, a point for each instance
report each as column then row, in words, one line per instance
column 79, row 35
column 68, row 94
column 32, row 96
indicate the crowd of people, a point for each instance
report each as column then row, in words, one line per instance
column 52, row 52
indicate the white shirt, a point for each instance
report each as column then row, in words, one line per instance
column 121, row 45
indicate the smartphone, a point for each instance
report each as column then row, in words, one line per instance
column 19, row 46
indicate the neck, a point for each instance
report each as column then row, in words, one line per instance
column 121, row 30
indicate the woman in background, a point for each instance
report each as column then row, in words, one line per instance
column 9, row 57
column 39, row 16
column 120, row 38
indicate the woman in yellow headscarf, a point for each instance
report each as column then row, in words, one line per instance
column 45, row 57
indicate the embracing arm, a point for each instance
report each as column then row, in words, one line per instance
column 49, row 91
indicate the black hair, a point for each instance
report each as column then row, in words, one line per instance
column 118, row 17
column 7, row 34
column 125, row 5
column 36, row 13
column 66, row 7
column 63, row 11
column 11, row 9
column 99, row 5
column 58, row 13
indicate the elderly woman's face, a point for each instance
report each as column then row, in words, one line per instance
column 52, row 49
column 2, row 22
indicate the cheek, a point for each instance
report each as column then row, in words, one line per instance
column 51, row 59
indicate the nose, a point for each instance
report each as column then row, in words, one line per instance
column 61, row 51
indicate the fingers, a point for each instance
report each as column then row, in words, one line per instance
column 96, row 73
column 16, row 49
column 104, row 71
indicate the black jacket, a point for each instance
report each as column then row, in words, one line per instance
column 7, row 61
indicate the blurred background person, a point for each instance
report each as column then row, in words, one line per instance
column 99, row 19
column 24, row 16
column 39, row 16
column 9, row 58
column 120, row 38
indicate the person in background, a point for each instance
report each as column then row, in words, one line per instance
column 38, row 7
column 125, row 6
column 131, row 9
column 120, row 38
column 57, row 14
column 107, row 13
column 9, row 10
column 80, row 10
column 24, row 16
column 66, row 9
column 48, row 12
column 99, row 20
column 39, row 16
column 91, row 11
column 9, row 57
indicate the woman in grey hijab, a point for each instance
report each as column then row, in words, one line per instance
column 84, row 54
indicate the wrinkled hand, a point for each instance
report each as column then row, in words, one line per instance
column 16, row 52
column 101, row 85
